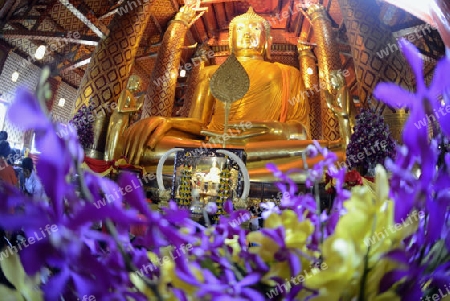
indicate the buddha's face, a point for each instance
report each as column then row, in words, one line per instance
column 249, row 39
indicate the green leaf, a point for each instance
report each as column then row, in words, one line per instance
column 437, row 256
column 48, row 94
column 8, row 294
column 209, row 264
column 45, row 74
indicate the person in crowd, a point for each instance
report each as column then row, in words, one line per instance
column 3, row 135
column 14, row 154
column 32, row 185
column 7, row 173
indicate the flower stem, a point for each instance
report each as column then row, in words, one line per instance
column 128, row 263
column 362, row 284
column 317, row 197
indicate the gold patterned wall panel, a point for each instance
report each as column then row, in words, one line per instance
column 108, row 71
column 146, row 64
column 368, row 37
column 163, row 11
column 328, row 59
column 161, row 90
column 111, row 63
column 290, row 59
column 191, row 85
column 335, row 11
column 282, row 53
column 72, row 78
column 98, row 7
column 308, row 67
column 260, row 6
column 65, row 18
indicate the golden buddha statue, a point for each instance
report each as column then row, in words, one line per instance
column 277, row 129
column 341, row 105
column 120, row 118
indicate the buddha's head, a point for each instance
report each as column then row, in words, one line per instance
column 250, row 36
column 134, row 83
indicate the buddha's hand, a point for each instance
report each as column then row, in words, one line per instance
column 186, row 14
column 145, row 132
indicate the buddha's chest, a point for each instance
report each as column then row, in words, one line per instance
column 264, row 96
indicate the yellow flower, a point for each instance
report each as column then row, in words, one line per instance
column 367, row 228
column 387, row 296
column 343, row 261
column 296, row 235
column 167, row 277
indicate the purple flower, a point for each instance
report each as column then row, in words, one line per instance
column 229, row 288
column 415, row 136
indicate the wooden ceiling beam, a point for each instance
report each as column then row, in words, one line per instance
column 221, row 16
column 25, row 18
column 76, row 64
column 112, row 11
column 49, row 36
column 199, row 27
column 289, row 19
column 84, row 14
column 210, row 22
column 55, row 55
column 298, row 26
column 29, row 8
column 218, row 1
column 44, row 14
column 6, row 8
column 8, row 12
column 175, row 5
column 156, row 22
column 229, row 10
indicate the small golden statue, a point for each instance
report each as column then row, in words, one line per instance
column 127, row 105
column 341, row 105
column 274, row 108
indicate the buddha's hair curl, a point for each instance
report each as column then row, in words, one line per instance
column 249, row 15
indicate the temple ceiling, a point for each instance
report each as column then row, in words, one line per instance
column 71, row 30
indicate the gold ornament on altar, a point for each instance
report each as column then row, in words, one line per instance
column 228, row 84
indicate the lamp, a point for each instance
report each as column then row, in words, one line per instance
column 40, row 52
column 15, row 76
column 61, row 102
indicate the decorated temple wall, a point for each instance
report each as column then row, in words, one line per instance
column 29, row 77
column 367, row 37
column 64, row 114
column 110, row 66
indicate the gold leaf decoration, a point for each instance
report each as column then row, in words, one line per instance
column 230, row 82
